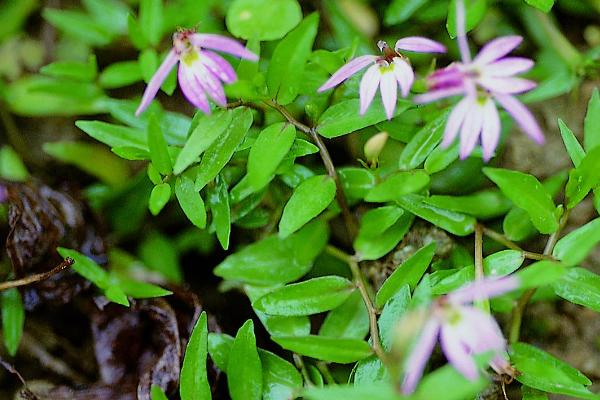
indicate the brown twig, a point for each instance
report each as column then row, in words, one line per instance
column 503, row 240
column 349, row 220
column 517, row 316
column 66, row 263
column 25, row 392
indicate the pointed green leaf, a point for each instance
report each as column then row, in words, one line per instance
column 305, row 298
column 159, row 197
column 339, row 350
column 221, row 150
column 423, row 143
column 410, row 272
column 350, row 319
column 579, row 286
column 193, row 384
column 208, row 129
column 455, row 223
column 190, row 201
column 13, row 319
column 267, row 152
column 218, row 199
column 574, row 149
column 159, row 152
column 286, row 67
column 376, row 221
column 308, row 200
column 375, row 247
column 485, row 204
column 583, row 178
column 151, row 20
column 397, row 185
column 244, row 370
column 392, row 313
column 574, row 247
column 526, row 192
column 591, row 123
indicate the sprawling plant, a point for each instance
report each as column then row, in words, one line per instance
column 361, row 231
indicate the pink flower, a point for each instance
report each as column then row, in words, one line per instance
column 490, row 76
column 201, row 71
column 463, row 331
column 387, row 72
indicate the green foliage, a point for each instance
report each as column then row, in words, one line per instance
column 262, row 19
column 13, row 319
column 194, row 383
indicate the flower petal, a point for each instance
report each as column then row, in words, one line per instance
column 389, row 93
column 368, row 87
column 506, row 85
column 456, row 353
column 222, row 43
column 192, row 89
column 157, row 80
column 404, row 75
column 218, row 66
column 346, row 71
column 416, row 361
column 209, row 82
column 490, row 133
column 455, row 121
column 508, row 66
column 435, row 95
column 471, row 128
column 420, row 44
column 485, row 288
column 522, row 115
column 497, row 48
column 461, row 32
column 480, row 331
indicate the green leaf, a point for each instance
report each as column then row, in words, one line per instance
column 262, row 19
column 397, row 185
column 368, row 371
column 11, row 165
column 356, row 182
column 376, row 221
column 274, row 260
column 78, row 25
column 579, row 286
column 532, row 394
column 583, row 178
column 286, row 67
column 13, row 319
column 449, row 384
column 13, row 14
column 338, row 350
column 343, row 118
column 576, row 152
column 503, row 262
column 120, row 74
column 218, row 199
column 349, row 320
column 544, row 5
column 159, row 152
column 81, row 71
column 374, row 247
column 371, row 391
column 440, row 158
column 244, row 370
column 591, row 123
column 190, row 201
column 305, row 298
column 542, row 371
column 401, row 10
column 277, row 324
column 540, row 274
column 526, row 192
column 475, row 10
column 138, row 289
column 308, row 200
column 156, row 393
column 267, row 152
column 151, row 20
column 159, row 197
column 485, row 204
column 423, row 143
column 391, row 314
column 194, row 379
column 410, row 272
column 114, row 135
column 281, row 380
column 94, row 159
column 208, row 129
column 455, row 223
column 158, row 254
column 221, row 150
column 574, row 247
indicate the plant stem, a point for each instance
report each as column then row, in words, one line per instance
column 517, row 316
column 503, row 240
column 66, row 263
column 484, row 303
column 349, row 220
column 302, row 367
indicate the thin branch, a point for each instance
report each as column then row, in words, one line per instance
column 349, row 220
column 299, row 362
column 503, row 240
column 26, row 393
column 66, row 263
column 517, row 316
column 484, row 303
